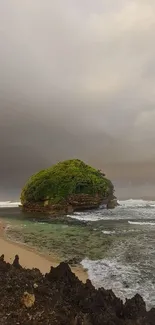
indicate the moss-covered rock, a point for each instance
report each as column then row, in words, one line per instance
column 65, row 187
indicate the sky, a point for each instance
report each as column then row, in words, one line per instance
column 76, row 80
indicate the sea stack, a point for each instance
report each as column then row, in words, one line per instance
column 66, row 187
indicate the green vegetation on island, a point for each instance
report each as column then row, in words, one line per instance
column 59, row 183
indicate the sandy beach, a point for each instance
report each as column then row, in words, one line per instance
column 29, row 258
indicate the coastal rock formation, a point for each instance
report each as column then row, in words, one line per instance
column 111, row 204
column 60, row 298
column 66, row 187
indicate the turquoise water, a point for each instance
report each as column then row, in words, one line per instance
column 67, row 237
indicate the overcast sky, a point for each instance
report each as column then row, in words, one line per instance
column 77, row 79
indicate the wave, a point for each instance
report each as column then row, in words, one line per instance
column 125, row 280
column 141, row 223
column 108, row 232
column 85, row 218
column 131, row 203
column 119, row 231
column 9, row 204
column 127, row 209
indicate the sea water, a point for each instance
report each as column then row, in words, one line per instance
column 129, row 263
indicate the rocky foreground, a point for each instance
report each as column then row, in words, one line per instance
column 60, row 298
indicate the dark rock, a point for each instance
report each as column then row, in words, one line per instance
column 134, row 306
column 16, row 262
column 60, row 298
column 112, row 204
column 2, row 257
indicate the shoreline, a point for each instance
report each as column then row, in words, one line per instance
column 30, row 258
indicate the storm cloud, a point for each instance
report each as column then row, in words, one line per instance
column 77, row 80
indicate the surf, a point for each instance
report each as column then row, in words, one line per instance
column 9, row 204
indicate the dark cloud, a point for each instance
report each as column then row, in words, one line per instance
column 77, row 80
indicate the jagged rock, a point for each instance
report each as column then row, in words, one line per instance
column 112, row 204
column 134, row 306
column 2, row 257
column 61, row 273
column 16, row 262
column 60, row 298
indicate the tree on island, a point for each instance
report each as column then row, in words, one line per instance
column 66, row 181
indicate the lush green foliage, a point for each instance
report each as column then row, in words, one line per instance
column 63, row 179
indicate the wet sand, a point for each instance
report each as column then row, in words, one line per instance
column 29, row 258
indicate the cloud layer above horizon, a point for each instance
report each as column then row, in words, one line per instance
column 77, row 70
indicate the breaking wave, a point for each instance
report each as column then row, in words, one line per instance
column 125, row 280
column 142, row 209
column 9, row 204
column 131, row 203
column 141, row 223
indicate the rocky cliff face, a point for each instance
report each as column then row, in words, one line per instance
column 59, row 298
column 78, row 202
column 86, row 201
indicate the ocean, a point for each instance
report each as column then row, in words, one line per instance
column 121, row 251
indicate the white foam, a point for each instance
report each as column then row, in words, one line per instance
column 131, row 203
column 107, row 272
column 125, row 280
column 141, row 223
column 9, row 204
column 119, row 231
column 117, row 213
column 85, row 217
column 108, row 232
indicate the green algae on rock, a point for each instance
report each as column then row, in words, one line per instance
column 66, row 187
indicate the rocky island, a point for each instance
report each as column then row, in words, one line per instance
column 66, row 187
